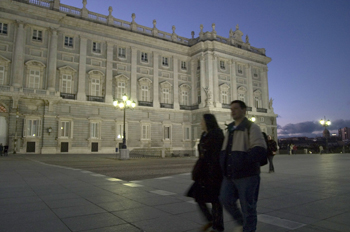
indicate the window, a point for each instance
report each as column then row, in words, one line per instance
column 146, row 134
column 187, row 133
column 122, row 52
column 198, row 64
column 184, row 97
column 224, row 97
column 255, row 72
column 257, row 102
column 64, row 130
column 66, row 83
column 96, row 47
column 144, row 57
column 144, row 93
column 167, row 132
column 262, row 119
column 34, row 79
column 68, row 41
column 239, row 69
column 95, row 87
column 183, row 65
column 37, row 35
column 222, row 65
column 121, row 90
column 33, row 127
column 94, row 130
column 2, row 75
column 165, row 61
column 166, row 98
column 241, row 97
column 3, row 28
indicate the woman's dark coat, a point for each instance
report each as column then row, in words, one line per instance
column 207, row 172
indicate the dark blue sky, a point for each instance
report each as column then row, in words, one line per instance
column 309, row 75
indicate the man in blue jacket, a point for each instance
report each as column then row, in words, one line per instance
column 243, row 149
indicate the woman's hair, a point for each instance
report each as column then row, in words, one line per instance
column 210, row 121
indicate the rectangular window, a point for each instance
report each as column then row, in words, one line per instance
column 3, row 28
column 183, row 65
column 257, row 102
column 184, row 97
column 2, row 75
column 241, row 97
column 166, row 96
column 33, row 127
column 94, row 130
column 144, row 57
column 68, row 41
column 95, row 87
column 121, row 89
column 66, row 83
column 34, row 79
column 222, row 64
column 165, row 61
column 122, row 52
column 224, row 97
column 262, row 119
column 146, row 132
column 187, row 133
column 96, row 47
column 144, row 93
column 167, row 132
column 65, row 129
column 239, row 70
column 37, row 35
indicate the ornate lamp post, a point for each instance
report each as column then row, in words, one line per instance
column 325, row 123
column 126, row 103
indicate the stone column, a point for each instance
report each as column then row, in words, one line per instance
column 51, row 84
column 250, row 99
column 81, row 96
column 234, row 94
column 202, row 84
column 109, row 74
column 18, row 57
column 133, row 78
column 265, row 88
column 155, row 91
column 216, row 91
column 194, row 97
column 176, row 83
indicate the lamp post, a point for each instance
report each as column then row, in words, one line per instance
column 325, row 123
column 15, row 140
column 126, row 103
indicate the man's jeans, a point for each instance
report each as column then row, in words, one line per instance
column 247, row 191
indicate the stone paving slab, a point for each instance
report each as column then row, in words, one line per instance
column 308, row 193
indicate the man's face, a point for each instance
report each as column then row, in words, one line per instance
column 237, row 112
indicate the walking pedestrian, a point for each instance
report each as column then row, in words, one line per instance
column 207, row 174
column 321, row 149
column 271, row 151
column 242, row 151
column 291, row 146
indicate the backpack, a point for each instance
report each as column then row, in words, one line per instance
column 263, row 158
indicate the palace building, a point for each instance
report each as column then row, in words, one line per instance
column 61, row 68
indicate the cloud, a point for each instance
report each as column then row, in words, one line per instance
column 310, row 128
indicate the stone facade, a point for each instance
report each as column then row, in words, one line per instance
column 62, row 67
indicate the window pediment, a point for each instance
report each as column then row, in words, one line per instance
column 224, row 86
column 242, row 89
column 185, row 86
column 166, row 84
column 35, row 63
column 4, row 60
column 67, row 69
column 145, row 80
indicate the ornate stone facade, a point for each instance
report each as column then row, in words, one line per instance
column 62, row 67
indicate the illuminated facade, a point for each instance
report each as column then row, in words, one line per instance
column 61, row 67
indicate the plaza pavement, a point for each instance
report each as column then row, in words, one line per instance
column 308, row 193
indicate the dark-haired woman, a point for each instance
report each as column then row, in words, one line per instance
column 207, row 174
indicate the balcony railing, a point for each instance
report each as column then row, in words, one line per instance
column 95, row 98
column 145, row 103
column 262, row 110
column 166, row 105
column 184, row 107
column 67, row 96
column 226, row 106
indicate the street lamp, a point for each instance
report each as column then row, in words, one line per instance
column 126, row 103
column 15, row 140
column 325, row 123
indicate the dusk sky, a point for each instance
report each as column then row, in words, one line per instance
column 309, row 75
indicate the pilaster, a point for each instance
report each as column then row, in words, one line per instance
column 250, row 86
column 202, row 84
column 234, row 94
column 52, row 61
column 265, row 88
column 155, row 80
column 109, row 74
column 81, row 95
column 215, row 77
column 194, row 94
column 133, row 77
column 18, row 57
column 176, row 84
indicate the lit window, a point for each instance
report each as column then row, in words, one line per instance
column 65, row 129
column 33, row 128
